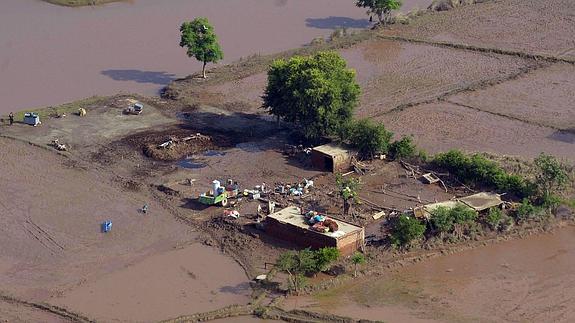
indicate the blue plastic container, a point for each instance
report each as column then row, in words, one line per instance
column 106, row 226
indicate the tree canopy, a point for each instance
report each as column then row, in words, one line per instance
column 299, row 264
column 381, row 8
column 199, row 38
column 368, row 137
column 317, row 93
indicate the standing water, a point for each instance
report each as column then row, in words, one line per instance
column 50, row 54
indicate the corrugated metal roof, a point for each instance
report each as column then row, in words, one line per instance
column 333, row 150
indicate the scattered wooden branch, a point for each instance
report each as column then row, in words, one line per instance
column 377, row 206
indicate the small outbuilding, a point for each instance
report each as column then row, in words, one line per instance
column 290, row 224
column 332, row 157
column 31, row 118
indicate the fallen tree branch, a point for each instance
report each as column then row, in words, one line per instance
column 377, row 206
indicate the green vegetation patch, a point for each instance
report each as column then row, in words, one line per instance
column 478, row 170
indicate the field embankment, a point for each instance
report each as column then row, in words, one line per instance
column 80, row 3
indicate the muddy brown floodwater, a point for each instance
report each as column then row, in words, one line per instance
column 526, row 280
column 53, row 54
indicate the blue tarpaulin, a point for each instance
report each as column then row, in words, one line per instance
column 106, row 226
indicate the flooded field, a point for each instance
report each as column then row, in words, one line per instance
column 52, row 251
column 63, row 54
column 527, row 280
column 168, row 285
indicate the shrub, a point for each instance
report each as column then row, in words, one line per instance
column 422, row 155
column 506, row 222
column 525, row 210
column 551, row 201
column 493, row 218
column 479, row 170
column 551, row 175
column 324, row 257
column 368, row 138
column 406, row 230
column 403, row 148
column 443, row 219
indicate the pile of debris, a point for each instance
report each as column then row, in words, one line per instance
column 321, row 223
column 297, row 189
column 175, row 148
column 60, row 147
column 294, row 150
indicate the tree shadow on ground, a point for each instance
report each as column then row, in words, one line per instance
column 239, row 289
column 160, row 78
column 336, row 22
column 193, row 204
column 567, row 136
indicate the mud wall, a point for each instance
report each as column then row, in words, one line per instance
column 300, row 236
column 339, row 163
column 347, row 245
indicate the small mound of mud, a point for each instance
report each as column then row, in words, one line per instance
column 178, row 148
column 175, row 144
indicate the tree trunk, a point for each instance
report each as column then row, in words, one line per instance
column 381, row 17
column 346, row 207
column 355, row 270
column 204, row 70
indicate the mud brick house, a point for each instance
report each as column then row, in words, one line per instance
column 332, row 158
column 290, row 225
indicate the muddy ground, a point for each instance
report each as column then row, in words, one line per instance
column 53, row 250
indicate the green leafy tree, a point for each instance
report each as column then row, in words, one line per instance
column 381, row 8
column 317, row 93
column 551, row 175
column 357, row 259
column 324, row 257
column 406, row 230
column 199, row 38
column 296, row 265
column 368, row 137
column 403, row 148
column 299, row 264
column 348, row 190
